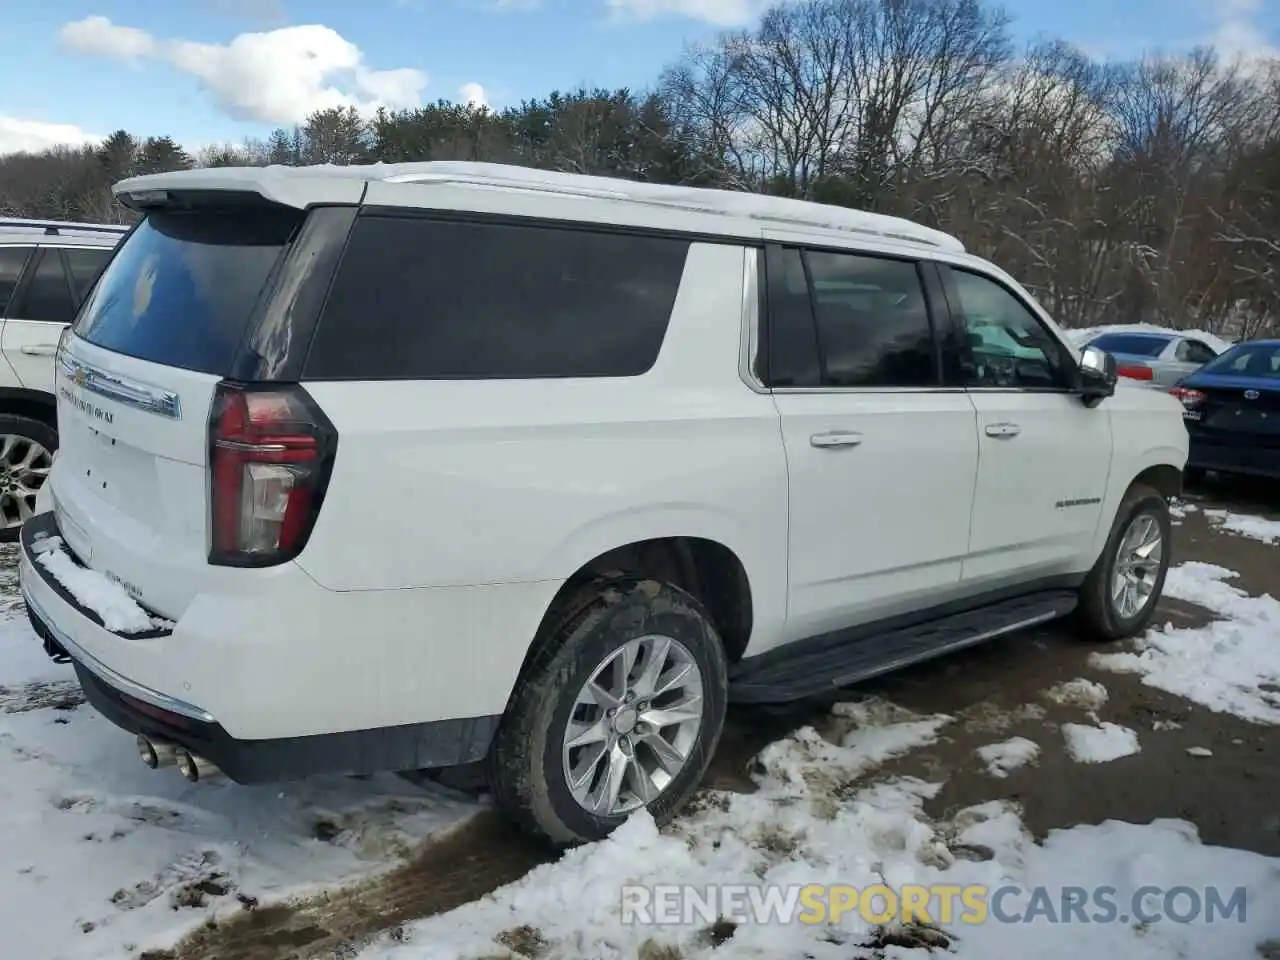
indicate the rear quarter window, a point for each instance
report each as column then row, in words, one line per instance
column 415, row 298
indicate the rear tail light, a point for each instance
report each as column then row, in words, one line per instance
column 1190, row 398
column 1135, row 371
column 270, row 454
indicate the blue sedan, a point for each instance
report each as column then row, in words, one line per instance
column 1231, row 407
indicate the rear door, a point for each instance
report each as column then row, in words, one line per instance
column 14, row 262
column 881, row 458
column 135, row 382
column 42, row 307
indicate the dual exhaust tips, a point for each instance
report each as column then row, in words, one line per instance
column 194, row 768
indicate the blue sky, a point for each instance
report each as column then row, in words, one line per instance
column 208, row 71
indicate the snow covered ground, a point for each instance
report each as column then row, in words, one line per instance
column 1099, row 743
column 820, row 817
column 1245, row 525
column 1232, row 665
column 104, row 858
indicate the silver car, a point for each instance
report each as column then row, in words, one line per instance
column 1159, row 358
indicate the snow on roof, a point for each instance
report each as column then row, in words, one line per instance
column 340, row 183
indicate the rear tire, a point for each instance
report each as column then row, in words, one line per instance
column 27, row 447
column 565, row 793
column 1120, row 594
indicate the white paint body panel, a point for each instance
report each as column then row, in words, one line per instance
column 875, row 525
column 1049, row 453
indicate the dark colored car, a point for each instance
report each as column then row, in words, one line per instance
column 1232, row 411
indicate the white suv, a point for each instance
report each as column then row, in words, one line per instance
column 410, row 466
column 46, row 268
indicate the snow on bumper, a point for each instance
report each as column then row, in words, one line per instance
column 293, row 659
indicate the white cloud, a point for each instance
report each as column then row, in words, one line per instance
column 721, row 13
column 473, row 94
column 1238, row 34
column 276, row 76
column 98, row 35
column 32, row 136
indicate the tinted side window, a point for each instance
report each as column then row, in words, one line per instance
column 873, row 325
column 1005, row 344
column 792, row 338
column 48, row 294
column 422, row 299
column 85, row 264
column 12, row 260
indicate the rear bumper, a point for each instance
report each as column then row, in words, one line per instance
column 1224, row 455
column 118, row 675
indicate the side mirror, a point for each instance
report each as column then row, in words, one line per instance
column 1097, row 375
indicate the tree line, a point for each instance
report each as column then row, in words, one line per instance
column 1145, row 190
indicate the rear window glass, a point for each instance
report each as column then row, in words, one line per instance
column 1248, row 360
column 1134, row 345
column 433, row 300
column 183, row 287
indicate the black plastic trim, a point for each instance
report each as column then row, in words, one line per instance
column 28, row 395
column 277, row 341
column 415, row 746
column 813, row 665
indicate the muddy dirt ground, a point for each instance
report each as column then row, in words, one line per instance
column 996, row 691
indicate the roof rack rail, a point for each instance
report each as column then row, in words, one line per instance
column 57, row 227
column 784, row 212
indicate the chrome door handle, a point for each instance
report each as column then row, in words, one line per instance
column 1003, row 431
column 835, row 439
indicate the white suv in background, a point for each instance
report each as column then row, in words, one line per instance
column 46, row 268
column 409, row 466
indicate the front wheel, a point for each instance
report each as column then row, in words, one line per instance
column 1120, row 594
column 621, row 709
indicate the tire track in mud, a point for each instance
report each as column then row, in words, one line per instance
column 464, row 865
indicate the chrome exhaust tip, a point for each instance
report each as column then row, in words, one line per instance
column 196, row 769
column 156, row 755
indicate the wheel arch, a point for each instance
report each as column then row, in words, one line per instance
column 1160, row 468
column 35, row 404
column 705, row 568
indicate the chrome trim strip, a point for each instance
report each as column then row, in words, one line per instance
column 134, row 393
column 749, row 337
column 109, row 676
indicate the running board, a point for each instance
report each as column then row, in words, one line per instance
column 822, row 665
